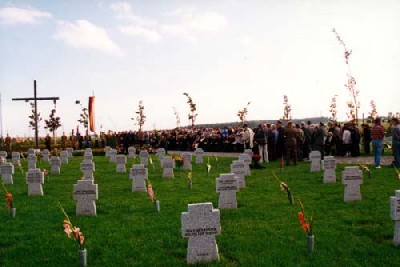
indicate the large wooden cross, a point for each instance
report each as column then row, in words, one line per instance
column 35, row 99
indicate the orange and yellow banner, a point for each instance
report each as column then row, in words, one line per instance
column 91, row 114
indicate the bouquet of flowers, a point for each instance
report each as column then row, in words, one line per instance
column 150, row 192
column 285, row 188
column 216, row 160
column 9, row 198
column 178, row 161
column 208, row 166
column 72, row 231
column 398, row 172
column 366, row 170
column 307, row 226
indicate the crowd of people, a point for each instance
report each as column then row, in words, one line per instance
column 289, row 141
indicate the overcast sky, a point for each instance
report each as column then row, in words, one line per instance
column 223, row 53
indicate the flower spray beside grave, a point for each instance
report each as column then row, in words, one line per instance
column 208, row 166
column 152, row 196
column 151, row 162
column 307, row 226
column 285, row 188
column 9, row 199
column 190, row 180
column 365, row 169
column 75, row 233
column 397, row 172
column 216, row 161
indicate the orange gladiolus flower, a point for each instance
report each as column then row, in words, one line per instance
column 9, row 199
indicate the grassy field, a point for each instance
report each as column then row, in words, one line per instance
column 263, row 231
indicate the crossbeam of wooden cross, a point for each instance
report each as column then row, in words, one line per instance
column 35, row 99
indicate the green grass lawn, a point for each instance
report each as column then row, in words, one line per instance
column 263, row 231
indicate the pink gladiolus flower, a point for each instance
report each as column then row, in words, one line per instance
column 150, row 192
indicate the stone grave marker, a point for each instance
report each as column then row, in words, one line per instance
column 55, row 164
column 238, row 168
column 395, row 215
column 121, row 163
column 87, row 167
column 329, row 169
column 315, row 158
column 70, row 151
column 88, row 156
column 201, row 223
column 88, row 149
column 131, row 152
column 249, row 152
column 35, row 179
column 144, row 157
column 227, row 186
column 31, row 151
column 112, row 153
column 85, row 194
column 16, row 157
column 2, row 160
column 199, row 154
column 4, row 155
column 31, row 161
column 107, row 150
column 247, row 160
column 187, row 157
column 6, row 171
column 352, row 178
column 160, row 153
column 46, row 155
column 168, row 167
column 138, row 174
column 64, row 157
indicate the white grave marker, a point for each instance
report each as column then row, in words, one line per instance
column 55, row 164
column 88, row 156
column 16, row 157
column 112, row 153
column 160, row 153
column 64, row 157
column 144, row 157
column 46, row 155
column 31, row 161
column 6, row 171
column 4, row 155
column 138, row 174
column 238, row 167
column 85, row 193
column 395, row 215
column 131, row 152
column 352, row 178
column 247, row 160
column 87, row 167
column 249, row 152
column 315, row 158
column 187, row 157
column 227, row 186
column 329, row 169
column 121, row 163
column 70, row 151
column 201, row 224
column 35, row 179
column 199, row 153
column 168, row 167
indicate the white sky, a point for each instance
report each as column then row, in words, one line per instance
column 224, row 53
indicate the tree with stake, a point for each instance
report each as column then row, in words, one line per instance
column 53, row 123
column 192, row 115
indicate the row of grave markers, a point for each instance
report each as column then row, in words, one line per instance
column 201, row 222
